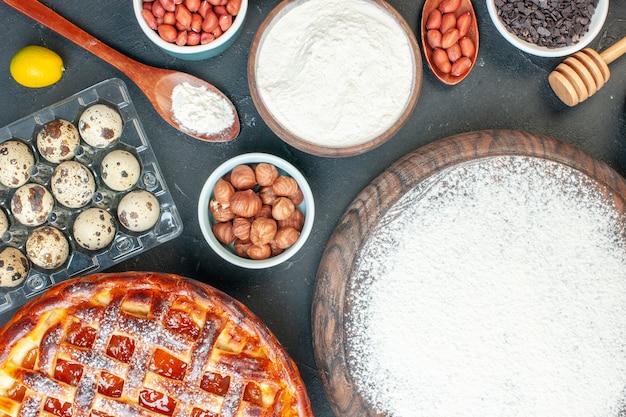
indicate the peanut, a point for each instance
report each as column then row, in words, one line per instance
column 181, row 39
column 193, row 39
column 225, row 21
column 217, row 32
column 157, row 9
column 205, row 7
column 233, row 6
column 454, row 52
column 168, row 5
column 215, row 2
column 149, row 18
column 433, row 37
column 196, row 22
column 449, row 6
column 183, row 16
column 468, row 48
column 169, row 18
column 210, row 22
column 461, row 66
column 434, row 20
column 168, row 32
column 463, row 23
column 450, row 38
column 219, row 10
column 441, row 60
column 206, row 37
column 448, row 21
column 192, row 5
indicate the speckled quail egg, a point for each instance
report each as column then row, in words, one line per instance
column 100, row 125
column 15, row 159
column 47, row 247
column 4, row 222
column 72, row 184
column 94, row 228
column 57, row 140
column 14, row 267
column 138, row 210
column 31, row 204
column 120, row 170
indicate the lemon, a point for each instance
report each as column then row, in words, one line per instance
column 36, row 66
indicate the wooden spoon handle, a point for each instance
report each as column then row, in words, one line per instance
column 614, row 51
column 47, row 17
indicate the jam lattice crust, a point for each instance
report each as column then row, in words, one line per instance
column 143, row 344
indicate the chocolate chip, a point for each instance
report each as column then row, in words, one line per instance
column 547, row 23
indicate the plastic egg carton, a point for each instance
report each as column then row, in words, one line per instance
column 126, row 244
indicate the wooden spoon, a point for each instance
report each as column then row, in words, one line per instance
column 465, row 6
column 156, row 83
column 579, row 76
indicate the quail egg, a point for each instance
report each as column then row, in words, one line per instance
column 94, row 229
column 31, row 204
column 72, row 184
column 14, row 267
column 47, row 247
column 4, row 222
column 120, row 170
column 100, row 125
column 138, row 210
column 57, row 140
column 15, row 160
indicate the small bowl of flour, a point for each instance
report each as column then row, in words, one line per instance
column 327, row 84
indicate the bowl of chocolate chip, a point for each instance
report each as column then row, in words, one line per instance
column 548, row 28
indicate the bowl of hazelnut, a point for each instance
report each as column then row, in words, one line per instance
column 256, row 210
column 191, row 29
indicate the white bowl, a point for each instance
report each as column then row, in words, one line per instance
column 206, row 221
column 198, row 52
column 597, row 21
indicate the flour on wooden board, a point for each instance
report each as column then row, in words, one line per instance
column 496, row 288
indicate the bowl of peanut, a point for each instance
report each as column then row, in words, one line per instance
column 256, row 210
column 191, row 29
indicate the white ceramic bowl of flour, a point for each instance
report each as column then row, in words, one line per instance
column 329, row 85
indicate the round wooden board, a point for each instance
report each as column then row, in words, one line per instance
column 361, row 217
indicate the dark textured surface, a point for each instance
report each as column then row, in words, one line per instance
column 507, row 89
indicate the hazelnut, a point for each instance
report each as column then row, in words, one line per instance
column 241, row 228
column 266, row 211
column 266, row 174
column 241, row 247
column 223, row 190
column 296, row 220
column 284, row 186
column 221, row 212
column 297, row 197
column 224, row 232
column 286, row 237
column 282, row 208
column 242, row 177
column 259, row 251
column 267, row 194
column 263, row 230
column 245, row 203
column 275, row 249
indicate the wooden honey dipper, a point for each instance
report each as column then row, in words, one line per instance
column 579, row 76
